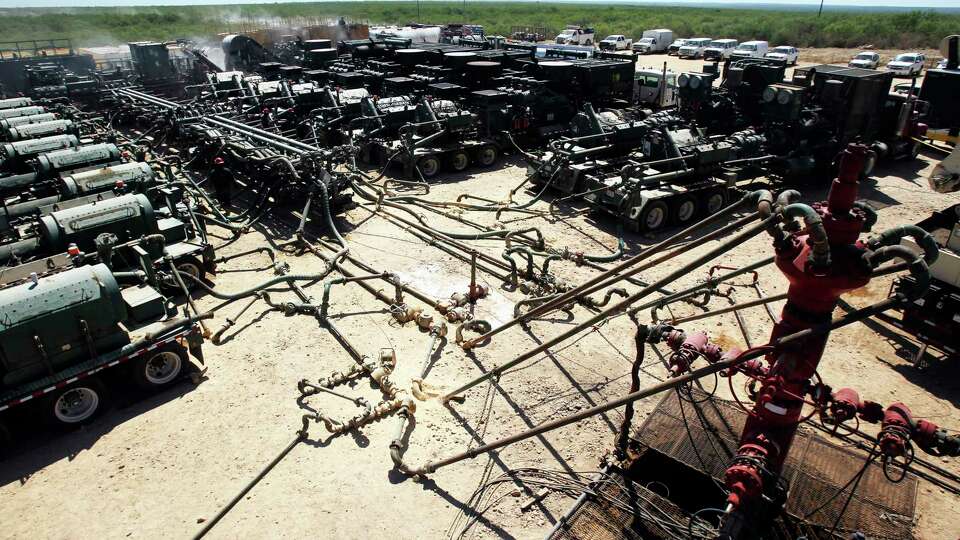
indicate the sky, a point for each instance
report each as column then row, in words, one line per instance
column 835, row 3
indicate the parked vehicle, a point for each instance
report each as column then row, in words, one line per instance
column 942, row 64
column 674, row 47
column 750, row 49
column 654, row 41
column 67, row 334
column 654, row 87
column 865, row 60
column 616, row 42
column 907, row 64
column 719, row 49
column 576, row 35
column 788, row 54
column 694, row 48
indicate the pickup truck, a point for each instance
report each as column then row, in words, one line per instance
column 788, row 54
column 576, row 35
column 693, row 48
column 674, row 47
column 616, row 42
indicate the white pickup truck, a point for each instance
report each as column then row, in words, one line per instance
column 576, row 35
column 693, row 48
column 616, row 42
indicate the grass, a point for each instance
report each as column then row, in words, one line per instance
column 98, row 26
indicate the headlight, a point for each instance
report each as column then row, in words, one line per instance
column 683, row 80
column 769, row 94
column 784, row 96
column 695, row 82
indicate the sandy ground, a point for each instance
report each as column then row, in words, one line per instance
column 160, row 466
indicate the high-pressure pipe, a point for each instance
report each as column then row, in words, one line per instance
column 668, row 384
column 763, row 200
column 620, row 306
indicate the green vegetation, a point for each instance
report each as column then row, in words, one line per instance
column 92, row 26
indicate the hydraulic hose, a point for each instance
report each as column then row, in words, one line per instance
column 870, row 214
column 820, row 250
column 892, row 237
column 291, row 278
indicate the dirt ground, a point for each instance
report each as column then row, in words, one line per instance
column 162, row 466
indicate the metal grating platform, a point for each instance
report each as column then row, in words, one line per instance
column 816, row 469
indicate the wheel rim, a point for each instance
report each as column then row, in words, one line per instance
column 76, row 405
column 685, row 210
column 655, row 217
column 162, row 368
column 460, row 161
column 714, row 203
column 488, row 156
column 185, row 268
column 429, row 166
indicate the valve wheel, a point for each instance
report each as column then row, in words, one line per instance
column 459, row 161
column 429, row 166
column 487, row 156
column 654, row 216
column 76, row 404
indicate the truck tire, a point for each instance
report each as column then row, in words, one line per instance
column 654, row 216
column 76, row 404
column 487, row 155
column 160, row 367
column 684, row 210
column 459, row 161
column 429, row 166
column 589, row 42
column 185, row 265
column 713, row 202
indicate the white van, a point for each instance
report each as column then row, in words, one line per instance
column 750, row 49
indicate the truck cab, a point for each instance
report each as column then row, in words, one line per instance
column 654, row 88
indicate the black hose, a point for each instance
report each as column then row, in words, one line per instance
column 892, row 237
column 256, row 288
